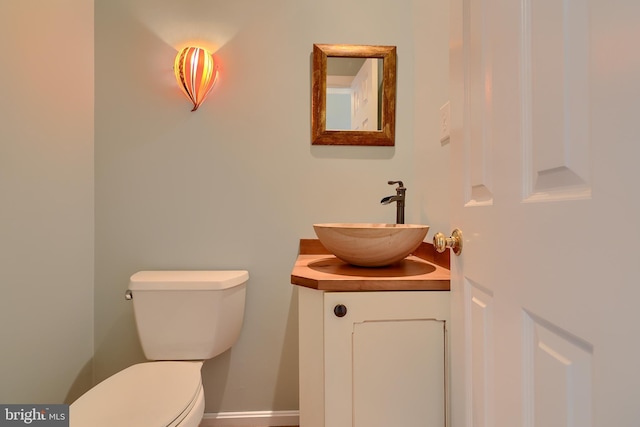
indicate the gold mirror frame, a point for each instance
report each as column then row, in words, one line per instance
column 319, row 133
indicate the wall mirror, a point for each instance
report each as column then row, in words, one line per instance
column 353, row 99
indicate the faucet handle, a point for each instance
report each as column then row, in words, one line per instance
column 396, row 182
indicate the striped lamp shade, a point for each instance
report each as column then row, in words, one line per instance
column 196, row 73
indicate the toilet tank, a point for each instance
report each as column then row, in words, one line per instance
column 188, row 315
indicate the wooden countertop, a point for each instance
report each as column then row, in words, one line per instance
column 317, row 268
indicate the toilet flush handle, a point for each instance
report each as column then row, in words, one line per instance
column 128, row 295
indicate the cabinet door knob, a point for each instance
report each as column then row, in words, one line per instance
column 340, row 310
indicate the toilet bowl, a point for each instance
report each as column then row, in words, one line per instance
column 183, row 318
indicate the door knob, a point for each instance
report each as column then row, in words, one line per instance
column 441, row 243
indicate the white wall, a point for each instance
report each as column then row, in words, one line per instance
column 431, row 91
column 46, row 200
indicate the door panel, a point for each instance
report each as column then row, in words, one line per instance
column 481, row 355
column 478, row 189
column 557, row 375
column 555, row 95
column 398, row 373
column 364, row 97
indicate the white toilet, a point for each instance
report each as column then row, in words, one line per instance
column 183, row 318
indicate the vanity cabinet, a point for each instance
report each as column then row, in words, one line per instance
column 372, row 359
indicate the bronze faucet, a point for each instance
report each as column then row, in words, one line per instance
column 398, row 198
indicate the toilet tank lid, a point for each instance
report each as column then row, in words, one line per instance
column 185, row 280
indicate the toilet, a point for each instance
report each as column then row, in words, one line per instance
column 183, row 318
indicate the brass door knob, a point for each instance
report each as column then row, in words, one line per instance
column 441, row 243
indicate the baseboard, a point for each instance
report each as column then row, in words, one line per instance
column 251, row 419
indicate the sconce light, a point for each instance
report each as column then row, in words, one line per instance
column 196, row 73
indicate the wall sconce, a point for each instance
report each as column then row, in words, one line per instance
column 196, row 73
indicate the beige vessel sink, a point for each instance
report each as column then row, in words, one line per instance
column 371, row 245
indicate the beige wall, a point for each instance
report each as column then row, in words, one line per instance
column 46, row 200
column 234, row 185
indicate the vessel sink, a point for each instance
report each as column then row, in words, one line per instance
column 371, row 245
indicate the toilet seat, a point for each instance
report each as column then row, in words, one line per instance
column 153, row 394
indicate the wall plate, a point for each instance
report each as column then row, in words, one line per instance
column 445, row 120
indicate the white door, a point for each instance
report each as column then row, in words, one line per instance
column 545, row 150
column 364, row 97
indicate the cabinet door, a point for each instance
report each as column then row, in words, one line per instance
column 385, row 359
